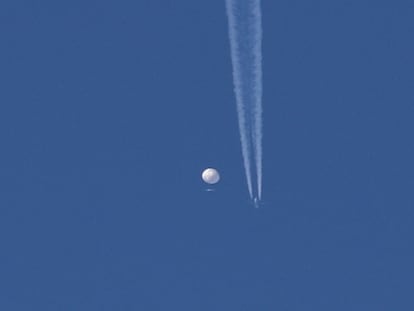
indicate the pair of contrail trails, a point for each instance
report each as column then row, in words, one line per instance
column 245, row 32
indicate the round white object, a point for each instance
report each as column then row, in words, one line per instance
column 210, row 176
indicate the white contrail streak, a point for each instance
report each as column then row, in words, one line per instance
column 245, row 32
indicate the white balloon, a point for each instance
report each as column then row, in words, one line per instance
column 210, row 176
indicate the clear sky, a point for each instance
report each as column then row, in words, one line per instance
column 109, row 111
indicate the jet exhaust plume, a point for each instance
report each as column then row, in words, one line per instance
column 245, row 33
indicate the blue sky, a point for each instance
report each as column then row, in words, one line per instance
column 109, row 111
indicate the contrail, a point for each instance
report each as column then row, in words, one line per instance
column 245, row 33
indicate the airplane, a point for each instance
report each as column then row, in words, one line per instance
column 256, row 202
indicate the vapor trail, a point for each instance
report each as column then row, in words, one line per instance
column 245, row 32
